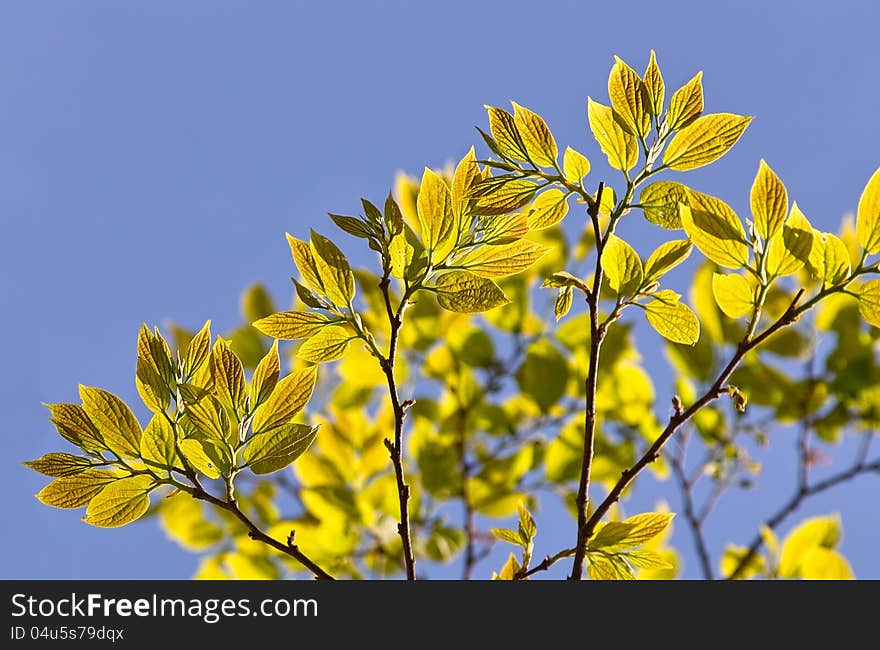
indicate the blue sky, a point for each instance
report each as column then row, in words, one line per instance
column 154, row 153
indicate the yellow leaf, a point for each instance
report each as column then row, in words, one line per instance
column 628, row 94
column 58, row 464
column 622, row 266
column 707, row 139
column 790, row 250
column 462, row 291
column 733, row 293
column 467, row 174
column 76, row 491
column 289, row 397
column 327, row 345
column 506, row 135
column 715, row 230
column 116, row 423
column 277, row 448
column 292, row 325
column 868, row 216
column 333, row 270
column 305, row 262
column 822, row 532
column 631, row 532
column 121, row 502
column 732, row 557
column 505, row 229
column 500, row 261
column 158, row 442
column 667, row 256
column 563, row 302
column 869, row 302
column 536, row 136
column 686, row 104
column 548, row 209
column 672, row 319
column 824, row 564
column 608, row 567
column 408, row 257
column 654, row 87
column 835, row 258
column 575, row 165
column 204, row 455
column 74, row 425
column 502, row 194
column 265, row 376
column 659, row 201
column 620, row 147
column 769, row 200
column 228, row 374
column 436, row 218
column 197, row 351
column 183, row 520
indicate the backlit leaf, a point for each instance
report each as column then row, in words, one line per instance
column 333, row 269
column 116, row 423
column 500, row 261
column 536, row 137
column 543, row 375
column 628, row 95
column 672, row 319
column 790, row 249
column 462, row 291
column 120, row 502
column 305, row 262
column 733, row 293
column 620, row 147
column 824, row 564
column 277, row 448
column 77, row 490
column 659, row 201
column 815, row 532
column 622, row 266
column 505, row 229
column 631, row 532
column 666, row 257
column 205, row 456
column 57, row 464
column 158, row 442
column 289, row 397
column 502, row 194
column 655, row 89
column 506, row 135
column 869, row 302
column 716, row 231
column 704, row 141
column 197, row 351
column 74, row 425
column 686, row 104
column 437, row 220
column 563, row 302
column 265, row 376
column 575, row 165
column 467, row 174
column 548, row 209
column 868, row 216
column 769, row 200
column 292, row 325
column 228, row 374
column 327, row 345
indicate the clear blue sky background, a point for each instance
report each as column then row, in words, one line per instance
column 154, row 153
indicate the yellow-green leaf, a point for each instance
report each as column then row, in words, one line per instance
column 505, row 229
column 204, row 455
column 622, row 266
column 228, row 374
column 500, row 261
column 436, row 218
column 502, row 194
column 58, row 464
column 816, row 532
column 289, row 397
column 198, row 350
column 769, row 200
column 158, row 442
column 184, row 521
column 659, row 201
column 536, row 136
column 628, row 95
column 621, row 148
column 733, row 293
column 824, row 564
column 74, row 425
column 277, row 448
column 462, row 291
column 868, row 216
column 790, row 249
column 329, row 344
column 265, row 376
column 506, row 134
column 704, row 141
column 548, row 209
column 116, row 423
column 574, row 165
column 667, row 256
column 672, row 319
column 655, row 89
column 608, row 567
column 630, row 533
column 292, row 325
column 408, row 256
column 869, row 302
column 333, row 269
column 77, row 490
column 563, row 302
column 154, row 376
column 121, row 502
column 835, row 258
column 715, row 230
column 305, row 262
column 467, row 174
column 686, row 104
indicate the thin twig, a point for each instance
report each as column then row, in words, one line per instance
column 676, row 461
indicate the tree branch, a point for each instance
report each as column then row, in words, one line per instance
column 690, row 514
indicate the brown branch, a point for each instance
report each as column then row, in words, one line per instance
column 676, row 461
column 470, row 528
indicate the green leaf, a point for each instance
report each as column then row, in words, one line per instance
column 575, row 165
column 646, row 559
column 197, row 351
column 620, row 147
column 466, row 176
column 733, row 293
column 205, row 456
column 277, row 448
column 608, row 567
column 116, row 423
column 154, row 375
column 535, row 135
column 824, row 564
column 256, row 302
column 502, row 194
column 507, row 535
column 352, row 225
column 769, row 200
column 622, row 265
column 265, row 376
column 655, row 89
column 59, row 464
column 672, row 319
column 686, row 104
column 869, row 302
column 306, row 295
column 733, row 556
column 666, row 257
column 816, row 532
column 207, row 417
column 565, row 279
column 835, row 263
column 292, row 325
column 543, row 375
column 305, row 262
column 500, row 261
column 408, row 256
column 436, row 218
column 228, row 374
column 548, row 209
column 76, row 491
column 121, row 502
column 289, row 397
column 74, row 425
column 329, row 344
column 504, row 229
column 510, row 569
column 563, row 302
column 715, row 230
column 660, row 203
column 527, row 527
column 462, row 291
column 158, row 442
column 704, row 141
column 333, row 269
column 628, row 95
column 788, row 253
column 868, row 216
column 631, row 532
column 506, row 135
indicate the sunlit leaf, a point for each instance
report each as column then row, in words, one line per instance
column 628, row 95
column 463, row 291
column 666, row 257
column 868, row 216
column 536, row 137
column 500, row 261
column 620, row 147
column 292, row 325
column 327, row 345
column 575, row 165
column 769, row 200
column 118, row 427
column 733, row 294
column 707, row 139
column 686, row 104
column 672, row 319
column 120, row 502
column 277, row 448
column 622, row 266
column 290, row 396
